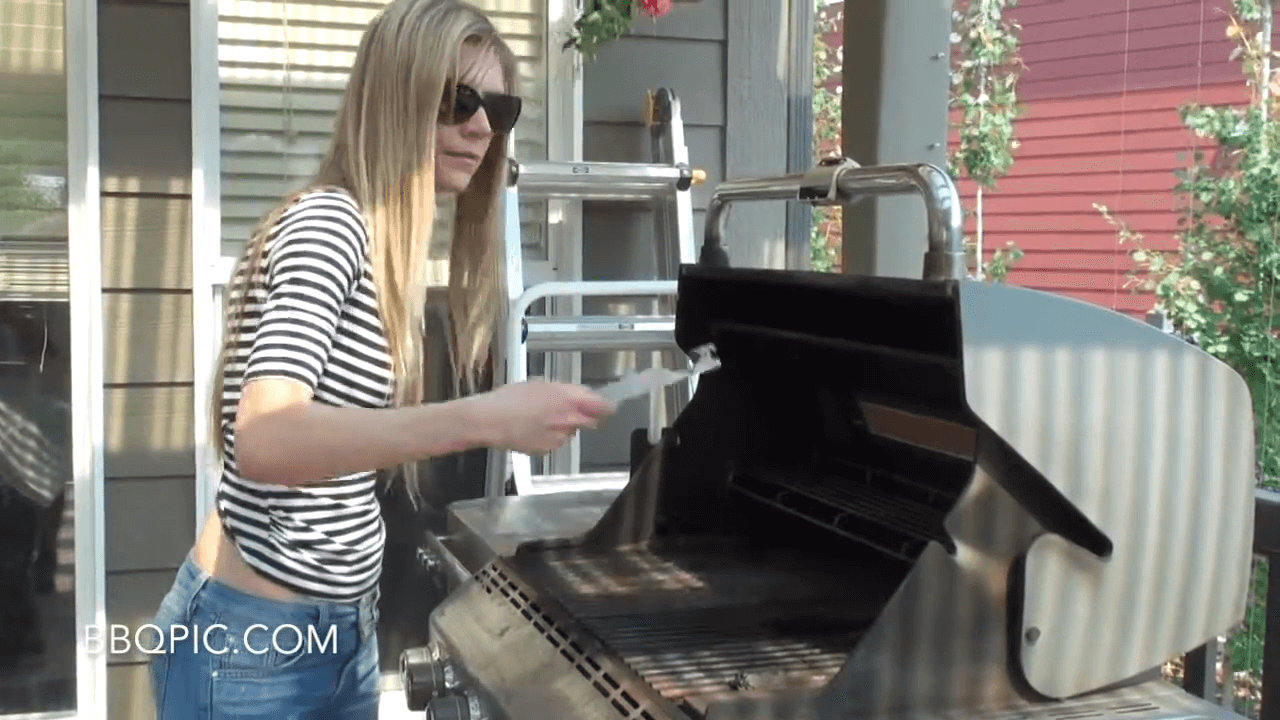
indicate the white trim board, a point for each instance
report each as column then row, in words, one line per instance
column 84, row 226
column 206, row 237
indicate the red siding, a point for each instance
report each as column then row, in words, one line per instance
column 1101, row 93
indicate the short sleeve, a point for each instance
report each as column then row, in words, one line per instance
column 314, row 260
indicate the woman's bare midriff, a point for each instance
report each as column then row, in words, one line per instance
column 216, row 555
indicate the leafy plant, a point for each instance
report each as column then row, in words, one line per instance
column 984, row 80
column 1002, row 261
column 600, row 22
column 1219, row 288
column 605, row 20
column 826, row 238
column 16, row 190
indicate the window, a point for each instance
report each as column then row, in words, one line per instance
column 38, row 530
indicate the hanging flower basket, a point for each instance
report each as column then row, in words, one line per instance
column 605, row 20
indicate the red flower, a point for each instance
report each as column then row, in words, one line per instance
column 656, row 8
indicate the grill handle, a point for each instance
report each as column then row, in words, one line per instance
column 840, row 181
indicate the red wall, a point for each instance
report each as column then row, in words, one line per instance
column 1101, row 93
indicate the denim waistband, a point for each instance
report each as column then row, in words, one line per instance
column 192, row 578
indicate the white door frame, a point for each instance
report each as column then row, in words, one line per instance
column 206, row 238
column 84, row 255
column 565, row 122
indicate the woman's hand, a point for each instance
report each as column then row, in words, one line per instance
column 537, row 417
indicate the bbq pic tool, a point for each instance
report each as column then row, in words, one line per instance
column 652, row 380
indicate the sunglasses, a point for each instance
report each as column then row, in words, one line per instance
column 501, row 110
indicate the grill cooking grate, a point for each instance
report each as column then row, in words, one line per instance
column 702, row 651
column 706, row 624
column 856, row 508
column 494, row 580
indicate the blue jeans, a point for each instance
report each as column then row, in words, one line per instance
column 226, row 654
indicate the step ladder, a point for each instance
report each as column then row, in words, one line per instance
column 663, row 185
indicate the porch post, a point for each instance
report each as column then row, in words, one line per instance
column 894, row 105
column 757, row 115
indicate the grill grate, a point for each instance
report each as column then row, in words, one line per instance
column 699, row 625
column 696, row 652
column 856, row 508
column 494, row 580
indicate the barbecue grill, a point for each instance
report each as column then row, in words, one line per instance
column 896, row 498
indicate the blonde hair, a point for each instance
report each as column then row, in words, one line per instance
column 382, row 153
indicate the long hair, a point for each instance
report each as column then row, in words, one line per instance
column 382, row 153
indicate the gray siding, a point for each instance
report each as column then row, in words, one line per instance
column 684, row 51
column 145, row 130
column 894, row 112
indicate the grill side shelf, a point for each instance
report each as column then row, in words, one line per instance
column 629, row 694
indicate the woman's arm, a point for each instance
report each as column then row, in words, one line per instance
column 283, row 437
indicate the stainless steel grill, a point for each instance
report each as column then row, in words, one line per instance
column 895, row 499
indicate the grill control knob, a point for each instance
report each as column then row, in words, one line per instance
column 424, row 674
column 455, row 707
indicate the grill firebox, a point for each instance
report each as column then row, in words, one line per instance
column 895, row 498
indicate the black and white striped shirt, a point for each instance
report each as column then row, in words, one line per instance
column 312, row 316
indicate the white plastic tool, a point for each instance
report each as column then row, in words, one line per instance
column 648, row 381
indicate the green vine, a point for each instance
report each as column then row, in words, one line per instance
column 1219, row 287
column 602, row 21
column 984, row 79
column 827, row 236
column 985, row 72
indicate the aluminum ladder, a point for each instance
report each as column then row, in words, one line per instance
column 665, row 185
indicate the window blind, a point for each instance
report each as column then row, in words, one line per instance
column 33, row 152
column 283, row 66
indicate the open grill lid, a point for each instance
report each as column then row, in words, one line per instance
column 1049, row 475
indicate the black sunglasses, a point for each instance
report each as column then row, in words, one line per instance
column 501, row 110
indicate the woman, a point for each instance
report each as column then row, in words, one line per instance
column 320, row 384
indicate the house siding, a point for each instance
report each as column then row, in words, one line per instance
column 145, row 136
column 1101, row 94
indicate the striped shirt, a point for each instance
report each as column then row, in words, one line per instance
column 312, row 316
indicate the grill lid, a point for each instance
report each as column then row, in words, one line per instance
column 1062, row 494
